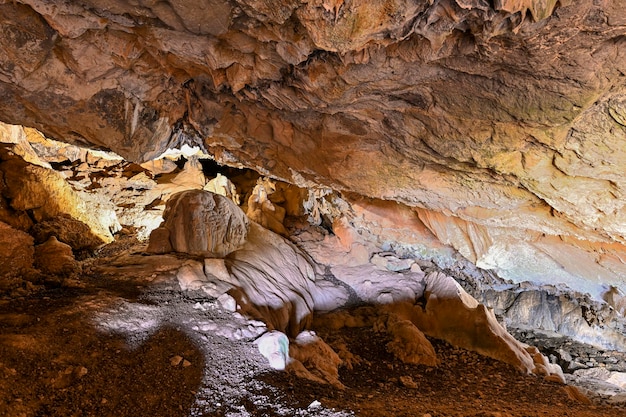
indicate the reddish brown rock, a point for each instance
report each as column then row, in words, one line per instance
column 67, row 230
column 55, row 258
column 504, row 116
column 159, row 241
column 16, row 256
column 201, row 223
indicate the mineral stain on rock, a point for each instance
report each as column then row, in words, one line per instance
column 459, row 141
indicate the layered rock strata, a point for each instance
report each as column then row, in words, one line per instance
column 503, row 120
column 271, row 280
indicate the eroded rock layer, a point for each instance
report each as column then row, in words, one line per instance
column 503, row 122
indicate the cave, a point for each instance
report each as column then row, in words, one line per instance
column 313, row 208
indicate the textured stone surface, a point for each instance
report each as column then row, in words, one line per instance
column 16, row 257
column 68, row 230
column 507, row 114
column 201, row 223
column 277, row 282
column 55, row 258
column 35, row 194
column 453, row 315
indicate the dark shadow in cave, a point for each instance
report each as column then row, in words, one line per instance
column 59, row 361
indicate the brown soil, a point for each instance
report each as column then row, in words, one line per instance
column 128, row 344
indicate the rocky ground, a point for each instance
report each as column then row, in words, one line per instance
column 121, row 339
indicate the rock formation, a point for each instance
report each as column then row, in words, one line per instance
column 481, row 139
column 201, row 223
column 44, row 194
column 504, row 120
column 17, row 256
column 55, row 258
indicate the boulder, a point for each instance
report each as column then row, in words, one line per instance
column 159, row 242
column 67, row 230
column 55, row 258
column 201, row 223
column 313, row 359
column 274, row 346
column 409, row 344
column 17, row 254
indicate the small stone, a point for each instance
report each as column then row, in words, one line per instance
column 408, row 382
column 315, row 404
column 555, row 378
column 176, row 360
column 227, row 302
column 80, row 372
column 186, row 363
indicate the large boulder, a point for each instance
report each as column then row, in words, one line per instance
column 55, row 258
column 200, row 223
column 16, row 256
column 68, row 230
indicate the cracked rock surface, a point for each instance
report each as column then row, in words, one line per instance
column 504, row 119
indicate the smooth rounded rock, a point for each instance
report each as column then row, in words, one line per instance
column 201, row 223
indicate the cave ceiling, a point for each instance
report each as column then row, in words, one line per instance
column 504, row 113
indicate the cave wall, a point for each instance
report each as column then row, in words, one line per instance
column 502, row 122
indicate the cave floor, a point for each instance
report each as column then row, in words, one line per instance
column 120, row 341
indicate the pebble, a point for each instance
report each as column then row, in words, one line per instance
column 315, row 404
column 408, row 382
column 176, row 360
column 80, row 372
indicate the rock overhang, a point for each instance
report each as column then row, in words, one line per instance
column 504, row 116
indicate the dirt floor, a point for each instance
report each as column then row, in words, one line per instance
column 125, row 341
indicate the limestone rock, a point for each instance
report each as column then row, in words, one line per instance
column 203, row 223
column 276, row 282
column 17, row 254
column 274, row 346
column 557, row 311
column 159, row 242
column 453, row 315
column 314, row 359
column 55, row 258
column 509, row 121
column 160, row 166
column 508, row 141
column 210, row 277
column 409, row 344
column 67, row 230
column 191, row 276
column 374, row 285
column 19, row 136
column 45, row 193
column 223, row 186
column 263, row 211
